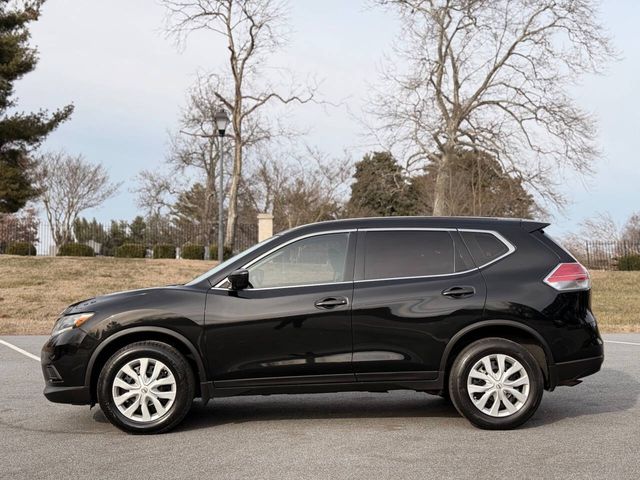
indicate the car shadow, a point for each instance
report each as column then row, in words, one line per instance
column 608, row 392
column 316, row 407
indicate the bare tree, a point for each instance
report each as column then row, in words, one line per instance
column 194, row 156
column 69, row 185
column 599, row 237
column 601, row 228
column 196, row 146
column 153, row 191
column 631, row 229
column 251, row 29
column 308, row 188
column 18, row 227
column 492, row 76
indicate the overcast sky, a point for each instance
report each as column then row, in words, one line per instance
column 128, row 83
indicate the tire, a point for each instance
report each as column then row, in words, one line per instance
column 151, row 403
column 497, row 401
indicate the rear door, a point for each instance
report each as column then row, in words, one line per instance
column 413, row 290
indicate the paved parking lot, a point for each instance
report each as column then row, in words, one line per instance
column 589, row 431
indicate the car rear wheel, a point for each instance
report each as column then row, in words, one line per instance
column 496, row 384
column 146, row 387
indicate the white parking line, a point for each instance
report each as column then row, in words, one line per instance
column 19, row 350
column 622, row 343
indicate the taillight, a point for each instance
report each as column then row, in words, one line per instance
column 569, row 276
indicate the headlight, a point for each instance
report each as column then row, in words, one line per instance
column 70, row 321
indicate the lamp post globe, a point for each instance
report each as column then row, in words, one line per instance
column 222, row 120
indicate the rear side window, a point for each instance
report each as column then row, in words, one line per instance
column 393, row 254
column 484, row 247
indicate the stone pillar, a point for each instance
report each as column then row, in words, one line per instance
column 265, row 226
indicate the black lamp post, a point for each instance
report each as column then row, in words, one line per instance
column 222, row 121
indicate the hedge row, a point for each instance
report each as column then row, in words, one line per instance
column 128, row 250
column 629, row 262
column 21, row 248
column 196, row 252
column 76, row 250
column 164, row 251
column 131, row 250
column 192, row 252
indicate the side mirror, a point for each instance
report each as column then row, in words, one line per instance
column 239, row 279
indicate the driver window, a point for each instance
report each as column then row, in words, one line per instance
column 317, row 259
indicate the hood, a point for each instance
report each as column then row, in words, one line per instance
column 90, row 304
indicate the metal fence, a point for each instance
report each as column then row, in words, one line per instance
column 105, row 238
column 606, row 255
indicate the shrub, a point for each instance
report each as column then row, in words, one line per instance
column 131, row 250
column 629, row 262
column 228, row 253
column 164, row 251
column 21, row 248
column 76, row 250
column 193, row 252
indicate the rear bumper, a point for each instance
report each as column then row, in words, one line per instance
column 568, row 372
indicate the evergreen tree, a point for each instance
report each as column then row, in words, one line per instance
column 380, row 188
column 20, row 133
column 85, row 230
column 116, row 236
column 188, row 211
column 138, row 230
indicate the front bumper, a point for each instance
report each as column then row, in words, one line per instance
column 64, row 360
column 72, row 395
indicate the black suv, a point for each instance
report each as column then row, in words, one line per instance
column 486, row 312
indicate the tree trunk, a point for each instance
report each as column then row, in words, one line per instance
column 207, row 221
column 232, row 209
column 440, row 193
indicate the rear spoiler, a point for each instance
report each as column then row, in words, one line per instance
column 532, row 226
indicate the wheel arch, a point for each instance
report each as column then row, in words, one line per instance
column 133, row 334
column 509, row 329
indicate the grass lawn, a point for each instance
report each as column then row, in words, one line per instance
column 616, row 300
column 34, row 290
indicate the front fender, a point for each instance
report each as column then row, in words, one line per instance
column 135, row 331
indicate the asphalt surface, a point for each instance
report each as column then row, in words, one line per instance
column 588, row 431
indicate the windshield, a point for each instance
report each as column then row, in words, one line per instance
column 229, row 261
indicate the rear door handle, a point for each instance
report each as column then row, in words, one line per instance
column 459, row 292
column 331, row 302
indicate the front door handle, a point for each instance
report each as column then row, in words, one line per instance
column 331, row 302
column 459, row 292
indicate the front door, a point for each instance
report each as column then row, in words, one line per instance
column 412, row 289
column 293, row 325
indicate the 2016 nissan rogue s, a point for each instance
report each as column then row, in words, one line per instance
column 487, row 312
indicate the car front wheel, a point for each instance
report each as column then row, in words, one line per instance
column 496, row 384
column 146, row 387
